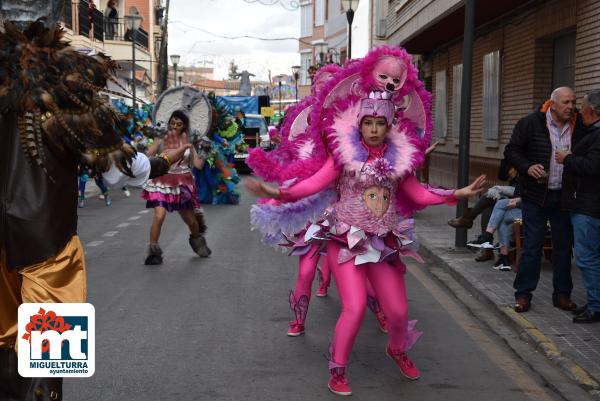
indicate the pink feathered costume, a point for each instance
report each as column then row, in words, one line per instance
column 368, row 227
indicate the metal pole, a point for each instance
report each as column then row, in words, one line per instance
column 350, row 18
column 133, row 74
column 465, row 116
column 296, row 83
column 280, row 97
column 163, row 63
column 174, row 74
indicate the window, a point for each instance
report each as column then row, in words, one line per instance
column 319, row 12
column 306, row 20
column 305, row 62
column 441, row 104
column 491, row 96
column 563, row 67
column 456, row 98
column 380, row 28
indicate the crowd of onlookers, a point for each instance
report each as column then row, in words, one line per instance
column 552, row 169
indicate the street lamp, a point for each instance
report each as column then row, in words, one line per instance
column 321, row 49
column 134, row 20
column 296, row 72
column 175, row 60
column 349, row 7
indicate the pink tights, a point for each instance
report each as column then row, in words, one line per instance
column 352, row 283
column 307, row 267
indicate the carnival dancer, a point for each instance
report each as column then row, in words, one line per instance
column 52, row 117
column 375, row 149
column 175, row 192
column 217, row 181
column 300, row 154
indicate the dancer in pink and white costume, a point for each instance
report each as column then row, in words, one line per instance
column 376, row 122
column 301, row 153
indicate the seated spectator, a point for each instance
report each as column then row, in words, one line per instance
column 505, row 212
column 485, row 206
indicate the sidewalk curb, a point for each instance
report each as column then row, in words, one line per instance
column 526, row 330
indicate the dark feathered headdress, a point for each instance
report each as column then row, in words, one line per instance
column 54, row 90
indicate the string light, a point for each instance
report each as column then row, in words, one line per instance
column 289, row 5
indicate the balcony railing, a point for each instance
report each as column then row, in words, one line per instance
column 93, row 23
column 117, row 29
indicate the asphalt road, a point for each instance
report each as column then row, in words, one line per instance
column 214, row 329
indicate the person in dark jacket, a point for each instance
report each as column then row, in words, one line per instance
column 581, row 197
column 535, row 140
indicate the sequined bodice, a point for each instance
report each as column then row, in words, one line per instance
column 367, row 199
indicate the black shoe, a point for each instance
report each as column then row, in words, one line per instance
column 502, row 264
column 10, row 380
column 42, row 389
column 199, row 246
column 154, row 256
column 580, row 310
column 484, row 255
column 587, row 317
column 484, row 241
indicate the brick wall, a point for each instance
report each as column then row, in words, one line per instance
column 525, row 42
column 144, row 9
column 587, row 47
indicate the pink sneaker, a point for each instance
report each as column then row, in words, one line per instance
column 322, row 290
column 407, row 367
column 296, row 329
column 338, row 384
column 382, row 322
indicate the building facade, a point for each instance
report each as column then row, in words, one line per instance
column 522, row 50
column 324, row 34
column 90, row 30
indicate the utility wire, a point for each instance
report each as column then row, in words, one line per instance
column 242, row 36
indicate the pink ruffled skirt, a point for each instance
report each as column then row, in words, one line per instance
column 174, row 192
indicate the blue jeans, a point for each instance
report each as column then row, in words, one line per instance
column 534, row 231
column 502, row 220
column 586, row 230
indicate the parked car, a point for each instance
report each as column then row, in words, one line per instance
column 256, row 133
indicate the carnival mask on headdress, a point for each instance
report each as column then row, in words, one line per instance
column 22, row 12
column 389, row 74
column 378, row 104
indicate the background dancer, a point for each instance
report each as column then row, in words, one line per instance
column 175, row 191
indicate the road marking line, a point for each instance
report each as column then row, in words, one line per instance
column 144, row 211
column 95, row 243
column 110, row 233
column 496, row 354
column 134, row 218
column 123, row 225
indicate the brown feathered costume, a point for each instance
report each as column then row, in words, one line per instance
column 52, row 117
column 54, row 90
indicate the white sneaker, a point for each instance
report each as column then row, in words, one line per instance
column 484, row 241
column 101, row 197
column 127, row 193
column 502, row 264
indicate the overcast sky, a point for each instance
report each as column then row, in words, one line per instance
column 235, row 18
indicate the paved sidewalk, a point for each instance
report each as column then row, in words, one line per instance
column 573, row 347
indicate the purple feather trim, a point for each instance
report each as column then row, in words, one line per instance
column 290, row 218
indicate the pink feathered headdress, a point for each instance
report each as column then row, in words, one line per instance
column 378, row 104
